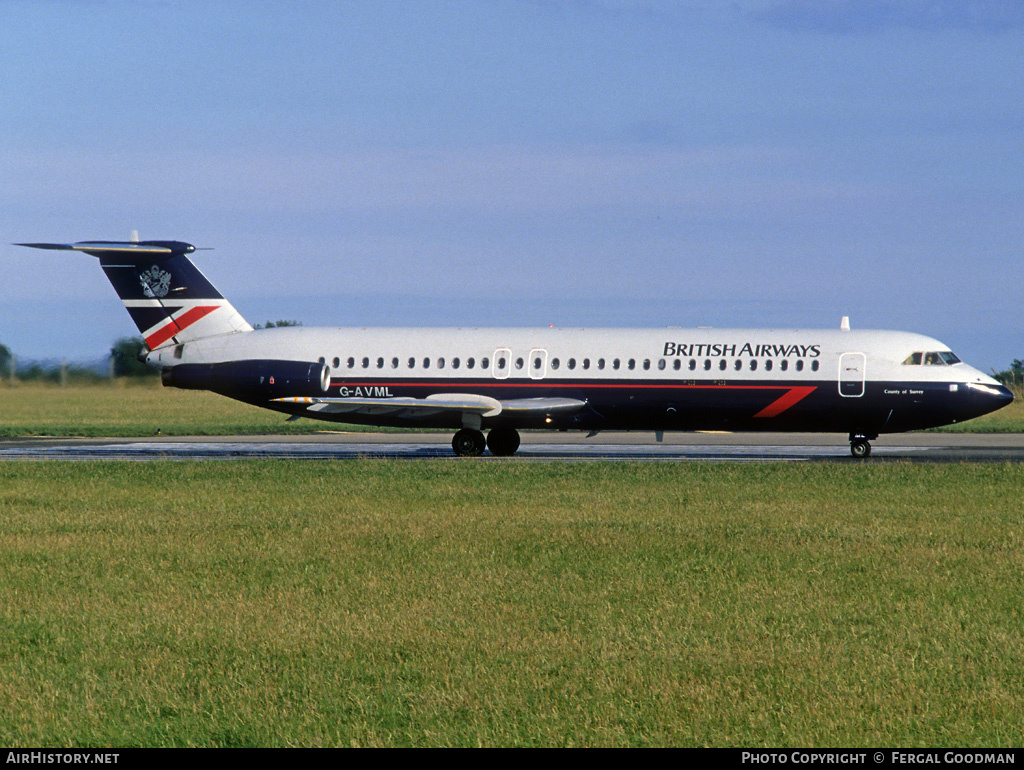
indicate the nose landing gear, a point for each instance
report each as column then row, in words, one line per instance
column 859, row 446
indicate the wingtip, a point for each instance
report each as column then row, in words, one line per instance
column 62, row 246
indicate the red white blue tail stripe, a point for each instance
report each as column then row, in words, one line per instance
column 168, row 298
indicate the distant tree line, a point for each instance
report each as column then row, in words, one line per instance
column 123, row 362
column 276, row 324
column 124, row 358
column 1014, row 376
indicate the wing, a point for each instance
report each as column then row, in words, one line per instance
column 438, row 403
column 401, row 406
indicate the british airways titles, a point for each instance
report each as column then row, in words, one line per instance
column 746, row 349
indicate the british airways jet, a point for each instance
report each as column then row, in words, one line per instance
column 502, row 380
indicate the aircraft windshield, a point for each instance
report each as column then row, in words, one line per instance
column 931, row 358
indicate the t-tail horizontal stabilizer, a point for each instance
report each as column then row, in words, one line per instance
column 167, row 296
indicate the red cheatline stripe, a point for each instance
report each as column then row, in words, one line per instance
column 179, row 324
column 783, row 403
column 513, row 383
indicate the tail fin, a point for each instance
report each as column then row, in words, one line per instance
column 168, row 298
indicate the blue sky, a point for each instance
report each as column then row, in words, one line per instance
column 777, row 163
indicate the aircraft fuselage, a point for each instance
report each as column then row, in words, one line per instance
column 856, row 382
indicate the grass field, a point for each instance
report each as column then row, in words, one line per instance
column 459, row 604
column 143, row 409
column 136, row 409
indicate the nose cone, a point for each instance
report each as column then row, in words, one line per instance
column 988, row 398
column 1005, row 396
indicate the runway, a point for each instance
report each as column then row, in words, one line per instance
column 536, row 447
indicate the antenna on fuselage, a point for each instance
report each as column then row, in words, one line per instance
column 844, row 325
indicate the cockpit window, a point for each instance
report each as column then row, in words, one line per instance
column 931, row 358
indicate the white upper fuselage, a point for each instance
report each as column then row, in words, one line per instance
column 669, row 354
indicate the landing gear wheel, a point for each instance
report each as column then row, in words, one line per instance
column 860, row 449
column 503, row 442
column 468, row 443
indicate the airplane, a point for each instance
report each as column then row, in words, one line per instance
column 503, row 380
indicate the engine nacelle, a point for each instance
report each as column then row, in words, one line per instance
column 258, row 378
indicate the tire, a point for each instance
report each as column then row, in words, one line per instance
column 860, row 449
column 468, row 443
column 503, row 442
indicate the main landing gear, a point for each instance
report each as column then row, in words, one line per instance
column 859, row 446
column 503, row 442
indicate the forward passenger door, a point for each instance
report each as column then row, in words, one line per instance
column 852, row 371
